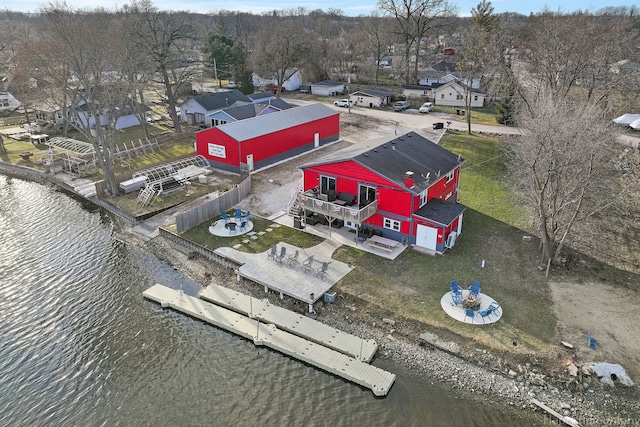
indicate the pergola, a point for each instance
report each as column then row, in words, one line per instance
column 78, row 157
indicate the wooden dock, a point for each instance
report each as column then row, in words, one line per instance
column 291, row 322
column 329, row 360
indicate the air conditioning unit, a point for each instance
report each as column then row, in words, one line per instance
column 451, row 240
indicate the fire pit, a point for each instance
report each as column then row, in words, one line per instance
column 229, row 224
column 471, row 303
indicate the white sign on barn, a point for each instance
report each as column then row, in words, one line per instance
column 216, row 150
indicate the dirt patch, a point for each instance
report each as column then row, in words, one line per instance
column 608, row 313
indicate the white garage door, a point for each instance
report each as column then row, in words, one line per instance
column 427, row 237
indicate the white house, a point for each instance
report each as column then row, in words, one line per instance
column 125, row 116
column 372, row 97
column 8, row 102
column 327, row 88
column 453, row 94
column 292, row 80
column 196, row 110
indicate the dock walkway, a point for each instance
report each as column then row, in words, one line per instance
column 291, row 322
column 349, row 368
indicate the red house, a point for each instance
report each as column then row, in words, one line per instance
column 264, row 140
column 404, row 189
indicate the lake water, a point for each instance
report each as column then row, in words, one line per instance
column 81, row 347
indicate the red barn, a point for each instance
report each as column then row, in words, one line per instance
column 264, row 140
column 405, row 189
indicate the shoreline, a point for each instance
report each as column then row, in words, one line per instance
column 483, row 377
column 477, row 374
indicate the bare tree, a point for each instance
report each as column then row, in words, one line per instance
column 281, row 53
column 563, row 166
column 414, row 20
column 377, row 34
column 95, row 81
column 475, row 50
column 167, row 39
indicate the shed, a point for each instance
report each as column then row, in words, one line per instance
column 372, row 97
column 327, row 88
column 260, row 141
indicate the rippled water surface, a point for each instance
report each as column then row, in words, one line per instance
column 80, row 346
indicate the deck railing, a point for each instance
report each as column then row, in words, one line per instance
column 310, row 202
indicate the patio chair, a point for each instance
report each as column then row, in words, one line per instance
column 455, row 288
column 307, row 265
column 238, row 214
column 273, row 252
column 495, row 306
column 246, row 218
column 243, row 225
column 474, row 289
column 224, row 216
column 291, row 259
column 486, row 313
column 469, row 313
column 322, row 271
column 233, row 228
column 283, row 253
column 457, row 298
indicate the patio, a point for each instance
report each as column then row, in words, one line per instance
column 345, row 236
column 460, row 314
column 229, row 226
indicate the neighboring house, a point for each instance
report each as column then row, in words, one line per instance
column 419, row 91
column 444, row 65
column 125, row 117
column 405, row 188
column 327, row 88
column 8, row 102
column 292, row 80
column 260, row 97
column 453, row 94
column 247, row 111
column 267, row 139
column 372, row 97
column 431, row 77
column 198, row 109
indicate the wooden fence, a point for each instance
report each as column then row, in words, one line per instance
column 211, row 209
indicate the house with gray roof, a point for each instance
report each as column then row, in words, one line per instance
column 404, row 188
column 372, row 97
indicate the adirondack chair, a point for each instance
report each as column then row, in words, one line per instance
column 486, row 313
column 243, row 225
column 457, row 298
column 233, row 228
column 469, row 313
column 455, row 288
column 224, row 216
column 238, row 214
column 474, row 289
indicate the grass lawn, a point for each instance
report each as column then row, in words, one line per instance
column 413, row 284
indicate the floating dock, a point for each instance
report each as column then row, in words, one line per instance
column 268, row 335
column 294, row 323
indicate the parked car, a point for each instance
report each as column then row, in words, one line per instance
column 426, row 107
column 401, row 105
column 342, row 103
column 231, row 85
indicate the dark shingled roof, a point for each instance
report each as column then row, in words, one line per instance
column 220, row 100
column 252, row 110
column 393, row 158
column 441, row 212
column 410, row 152
column 374, row 91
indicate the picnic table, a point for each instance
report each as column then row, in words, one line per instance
column 383, row 243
